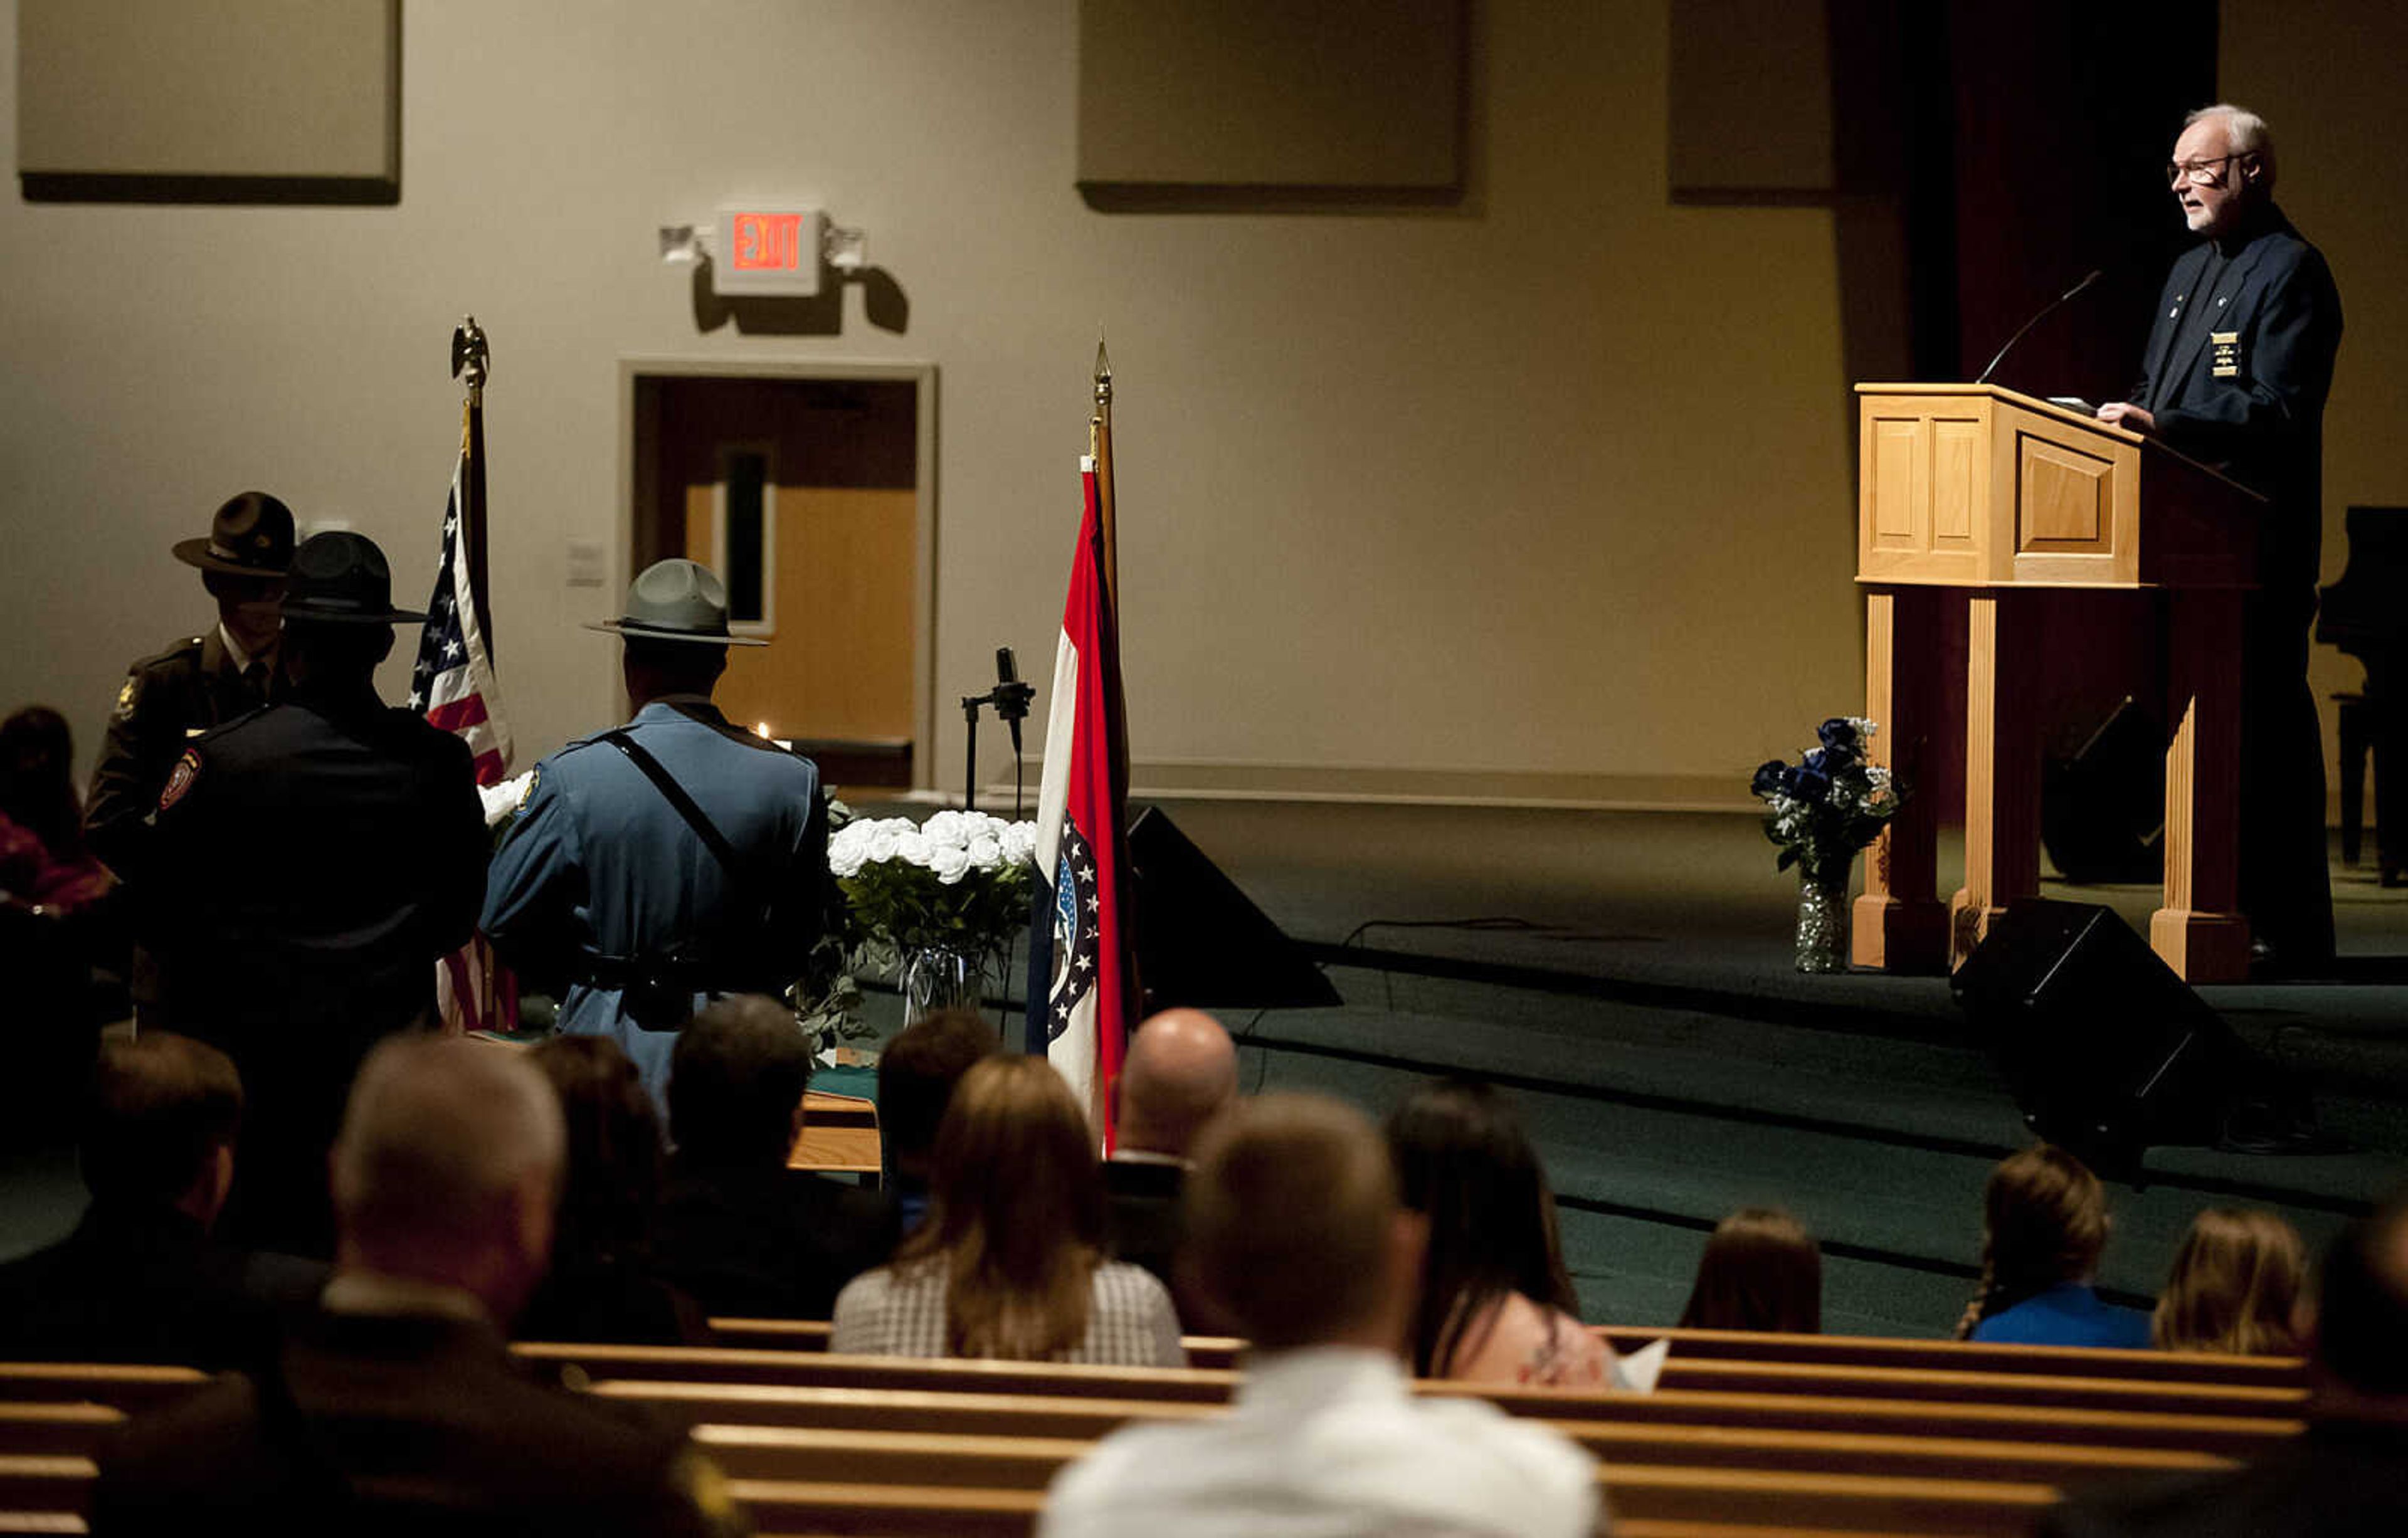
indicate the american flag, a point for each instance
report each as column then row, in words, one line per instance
column 453, row 686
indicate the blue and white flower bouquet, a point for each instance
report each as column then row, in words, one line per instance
column 1828, row 804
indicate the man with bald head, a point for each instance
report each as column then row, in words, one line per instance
column 1181, row 1072
column 1296, row 1229
column 396, row 1407
column 2238, row 365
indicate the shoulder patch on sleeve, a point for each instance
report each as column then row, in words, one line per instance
column 534, row 779
column 125, row 698
column 180, row 779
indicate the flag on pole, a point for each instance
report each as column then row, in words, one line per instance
column 452, row 685
column 1081, row 986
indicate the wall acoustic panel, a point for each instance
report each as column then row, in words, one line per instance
column 234, row 100
column 1267, row 103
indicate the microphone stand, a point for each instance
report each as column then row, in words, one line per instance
column 1010, row 699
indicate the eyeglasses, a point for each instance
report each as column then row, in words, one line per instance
column 2199, row 173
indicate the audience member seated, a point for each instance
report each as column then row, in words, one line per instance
column 604, row 1283
column 43, row 860
column 916, row 1075
column 2348, row 1472
column 1180, row 1073
column 741, row 1232
column 2235, row 1285
column 396, row 1408
column 1009, row 1262
column 2044, row 1223
column 1761, row 1271
column 58, row 920
column 140, row 1279
column 1294, row 1228
column 1497, row 1304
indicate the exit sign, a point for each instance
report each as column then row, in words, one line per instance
column 768, row 250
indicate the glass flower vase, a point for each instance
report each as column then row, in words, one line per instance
column 937, row 977
column 1823, row 920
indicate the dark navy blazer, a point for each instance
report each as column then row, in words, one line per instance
column 2262, row 421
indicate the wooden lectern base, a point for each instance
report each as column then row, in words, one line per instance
column 1899, row 936
column 2202, row 947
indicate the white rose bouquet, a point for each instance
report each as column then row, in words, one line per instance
column 960, row 881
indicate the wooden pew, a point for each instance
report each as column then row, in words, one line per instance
column 926, row 1455
column 1963, row 1356
column 1701, row 1345
column 594, row 1363
column 130, row 1388
column 2214, row 1437
column 67, row 1428
column 1217, row 1351
column 45, row 1485
column 2172, row 1397
column 795, row 1506
column 2222, row 1436
column 1077, row 1417
column 583, row 1364
column 1644, row 1499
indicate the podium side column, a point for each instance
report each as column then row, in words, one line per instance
column 1900, row 923
column 2001, row 767
column 2200, row 931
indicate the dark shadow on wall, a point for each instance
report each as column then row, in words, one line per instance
column 883, row 302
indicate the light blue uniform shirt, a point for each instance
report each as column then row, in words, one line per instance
column 598, row 864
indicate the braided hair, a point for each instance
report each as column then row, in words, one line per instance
column 2043, row 1222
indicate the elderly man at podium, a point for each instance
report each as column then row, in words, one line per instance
column 2238, row 365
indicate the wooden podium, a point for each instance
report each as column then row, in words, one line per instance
column 1979, row 488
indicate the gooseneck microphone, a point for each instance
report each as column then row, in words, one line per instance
column 2045, row 311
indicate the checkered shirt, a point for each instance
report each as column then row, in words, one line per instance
column 900, row 1312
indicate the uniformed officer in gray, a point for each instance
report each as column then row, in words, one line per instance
column 202, row 681
column 668, row 861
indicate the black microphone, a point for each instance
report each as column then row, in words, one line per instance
column 1011, row 696
column 2047, row 310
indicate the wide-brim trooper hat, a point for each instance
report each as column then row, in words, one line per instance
column 250, row 535
column 340, row 578
column 678, row 600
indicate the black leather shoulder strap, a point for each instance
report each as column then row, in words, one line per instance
column 683, row 804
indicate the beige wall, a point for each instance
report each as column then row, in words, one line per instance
column 1556, row 487
column 2329, row 77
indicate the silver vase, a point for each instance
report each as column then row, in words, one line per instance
column 1823, row 921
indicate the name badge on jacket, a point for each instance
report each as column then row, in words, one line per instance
column 2227, row 348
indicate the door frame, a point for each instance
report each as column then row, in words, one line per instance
column 636, row 367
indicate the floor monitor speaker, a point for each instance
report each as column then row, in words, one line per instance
column 1203, row 943
column 2107, row 1051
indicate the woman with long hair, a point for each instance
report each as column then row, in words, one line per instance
column 602, row 1286
column 2235, row 1285
column 1497, row 1304
column 1009, row 1262
column 2044, row 1226
column 1761, row 1271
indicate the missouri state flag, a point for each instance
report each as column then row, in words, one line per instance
column 453, row 686
column 1082, row 982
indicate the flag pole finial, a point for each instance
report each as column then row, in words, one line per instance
column 471, row 359
column 1103, row 371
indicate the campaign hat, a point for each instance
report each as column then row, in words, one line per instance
column 340, row 577
column 251, row 535
column 678, row 600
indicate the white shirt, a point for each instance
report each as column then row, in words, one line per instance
column 1331, row 1443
